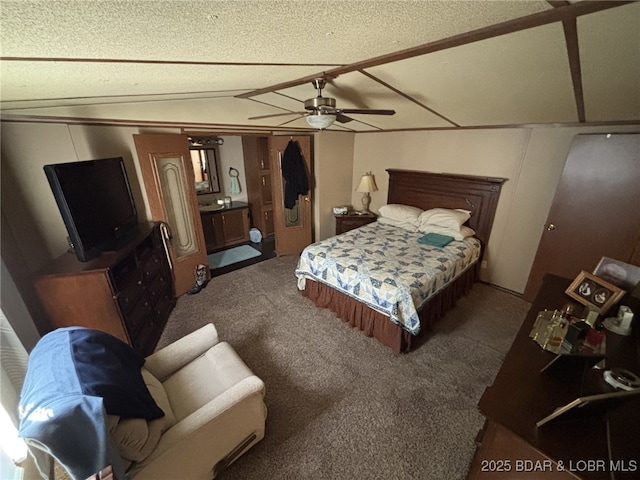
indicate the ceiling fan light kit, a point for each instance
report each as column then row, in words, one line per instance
column 320, row 112
column 320, row 121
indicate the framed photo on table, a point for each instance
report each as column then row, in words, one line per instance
column 594, row 292
column 621, row 274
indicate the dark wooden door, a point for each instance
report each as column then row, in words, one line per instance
column 595, row 211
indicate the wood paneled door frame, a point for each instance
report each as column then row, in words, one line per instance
column 168, row 177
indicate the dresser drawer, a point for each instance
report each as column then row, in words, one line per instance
column 124, row 274
column 150, row 267
column 130, row 291
column 136, row 318
column 344, row 223
column 159, row 287
column 151, row 326
column 350, row 224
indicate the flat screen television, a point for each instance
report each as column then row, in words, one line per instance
column 96, row 204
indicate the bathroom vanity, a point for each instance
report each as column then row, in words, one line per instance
column 225, row 226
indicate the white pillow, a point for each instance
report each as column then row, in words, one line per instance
column 443, row 217
column 467, row 231
column 401, row 213
column 461, row 234
column 412, row 227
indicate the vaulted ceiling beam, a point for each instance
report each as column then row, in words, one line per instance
column 570, row 27
column 410, row 98
column 573, row 51
column 563, row 13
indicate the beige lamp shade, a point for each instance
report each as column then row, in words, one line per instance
column 367, row 184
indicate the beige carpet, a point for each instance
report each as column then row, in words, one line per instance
column 341, row 405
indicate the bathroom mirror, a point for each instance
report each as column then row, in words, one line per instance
column 204, row 157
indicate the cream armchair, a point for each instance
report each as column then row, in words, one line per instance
column 214, row 411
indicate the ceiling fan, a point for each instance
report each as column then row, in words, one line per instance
column 321, row 112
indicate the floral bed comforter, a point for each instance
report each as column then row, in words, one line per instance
column 386, row 268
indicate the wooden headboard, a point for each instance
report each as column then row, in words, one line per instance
column 427, row 190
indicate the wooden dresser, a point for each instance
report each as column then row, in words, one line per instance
column 598, row 444
column 128, row 293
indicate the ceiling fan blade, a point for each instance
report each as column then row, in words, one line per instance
column 342, row 118
column 277, row 115
column 367, row 111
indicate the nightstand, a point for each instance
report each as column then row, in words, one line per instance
column 347, row 222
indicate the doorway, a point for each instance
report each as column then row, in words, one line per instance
column 291, row 162
column 267, row 249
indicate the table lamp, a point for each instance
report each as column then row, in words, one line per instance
column 366, row 186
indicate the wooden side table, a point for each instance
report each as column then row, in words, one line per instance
column 347, row 222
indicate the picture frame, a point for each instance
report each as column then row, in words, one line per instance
column 594, row 292
column 577, row 406
column 620, row 274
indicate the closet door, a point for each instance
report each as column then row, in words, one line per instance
column 292, row 226
column 595, row 211
column 167, row 172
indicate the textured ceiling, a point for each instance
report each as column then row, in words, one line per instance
column 207, row 64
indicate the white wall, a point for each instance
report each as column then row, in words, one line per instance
column 13, row 306
column 531, row 159
column 333, row 167
column 232, row 156
column 27, row 201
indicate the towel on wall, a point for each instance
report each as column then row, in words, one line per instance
column 435, row 240
column 235, row 186
column 294, row 171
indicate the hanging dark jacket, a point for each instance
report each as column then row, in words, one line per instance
column 294, row 172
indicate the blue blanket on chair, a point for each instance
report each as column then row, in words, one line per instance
column 75, row 377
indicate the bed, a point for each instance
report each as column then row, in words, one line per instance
column 379, row 279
